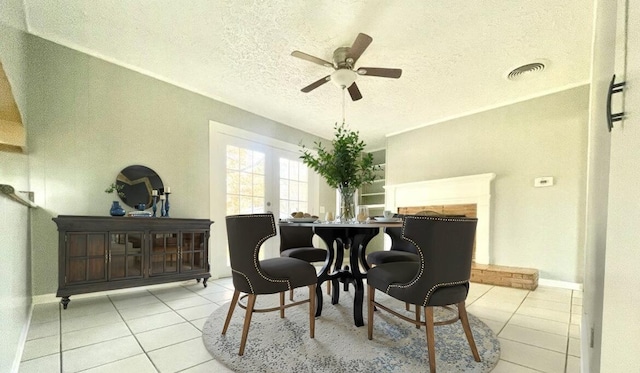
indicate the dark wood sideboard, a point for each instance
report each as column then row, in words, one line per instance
column 105, row 253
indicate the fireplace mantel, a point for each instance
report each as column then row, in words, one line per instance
column 451, row 191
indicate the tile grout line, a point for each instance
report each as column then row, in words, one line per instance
column 134, row 334
column 513, row 313
column 566, row 360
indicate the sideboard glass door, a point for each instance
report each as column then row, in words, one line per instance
column 192, row 252
column 125, row 255
column 86, row 258
column 164, row 253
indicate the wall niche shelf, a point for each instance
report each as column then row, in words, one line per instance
column 372, row 195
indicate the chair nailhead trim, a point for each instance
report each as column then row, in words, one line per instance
column 436, row 286
column 437, row 218
column 257, row 248
column 422, row 263
column 246, row 278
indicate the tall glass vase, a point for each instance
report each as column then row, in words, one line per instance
column 347, row 204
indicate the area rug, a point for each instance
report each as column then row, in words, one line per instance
column 283, row 345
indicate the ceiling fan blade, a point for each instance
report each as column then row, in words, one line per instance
column 359, row 45
column 316, row 84
column 380, row 71
column 354, row 92
column 311, row 58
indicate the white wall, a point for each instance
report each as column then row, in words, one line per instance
column 532, row 227
column 620, row 324
column 599, row 143
column 15, row 278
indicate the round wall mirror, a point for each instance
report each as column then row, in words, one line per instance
column 137, row 183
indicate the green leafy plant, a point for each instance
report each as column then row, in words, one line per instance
column 115, row 188
column 344, row 166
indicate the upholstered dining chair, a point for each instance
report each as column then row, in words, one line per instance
column 400, row 250
column 246, row 234
column 297, row 242
column 439, row 278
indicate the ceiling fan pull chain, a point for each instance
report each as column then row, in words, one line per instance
column 343, row 104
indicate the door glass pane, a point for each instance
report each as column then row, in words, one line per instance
column 257, row 178
column 294, row 185
column 245, row 181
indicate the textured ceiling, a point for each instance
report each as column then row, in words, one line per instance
column 454, row 54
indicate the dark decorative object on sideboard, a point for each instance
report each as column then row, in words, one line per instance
column 101, row 253
column 166, row 203
column 116, row 209
column 154, row 207
column 137, row 183
column 162, row 198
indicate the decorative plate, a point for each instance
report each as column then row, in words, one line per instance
column 387, row 220
column 301, row 220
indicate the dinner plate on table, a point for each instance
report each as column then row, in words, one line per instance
column 387, row 220
column 301, row 220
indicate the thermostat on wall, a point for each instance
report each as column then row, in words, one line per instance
column 544, row 181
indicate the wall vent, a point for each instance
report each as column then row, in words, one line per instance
column 524, row 71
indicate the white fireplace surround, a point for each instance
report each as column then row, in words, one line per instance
column 452, row 191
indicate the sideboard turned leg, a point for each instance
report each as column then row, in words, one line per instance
column 65, row 302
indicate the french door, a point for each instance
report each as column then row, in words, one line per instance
column 254, row 174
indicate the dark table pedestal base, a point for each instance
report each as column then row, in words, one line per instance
column 354, row 240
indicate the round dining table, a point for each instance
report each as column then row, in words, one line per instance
column 341, row 238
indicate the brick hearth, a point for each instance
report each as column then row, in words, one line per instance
column 515, row 277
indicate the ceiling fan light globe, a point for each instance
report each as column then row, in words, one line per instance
column 343, row 78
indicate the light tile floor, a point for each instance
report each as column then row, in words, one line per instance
column 158, row 329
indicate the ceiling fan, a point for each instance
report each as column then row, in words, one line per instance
column 344, row 60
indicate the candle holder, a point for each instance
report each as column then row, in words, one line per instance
column 166, row 205
column 161, row 207
column 154, row 205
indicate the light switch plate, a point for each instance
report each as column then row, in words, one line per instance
column 544, row 181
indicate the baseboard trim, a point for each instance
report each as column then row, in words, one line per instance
column 44, row 298
column 560, row 284
column 23, row 340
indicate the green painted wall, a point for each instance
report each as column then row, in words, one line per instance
column 89, row 119
column 539, row 228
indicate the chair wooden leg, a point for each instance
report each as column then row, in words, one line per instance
column 417, row 316
column 232, row 307
column 431, row 343
column 329, row 287
column 291, row 294
column 406, row 306
column 282, row 304
column 247, row 322
column 464, row 319
column 312, row 310
column 371, row 293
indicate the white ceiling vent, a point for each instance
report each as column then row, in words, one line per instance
column 525, row 71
